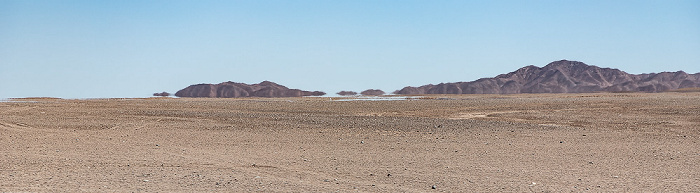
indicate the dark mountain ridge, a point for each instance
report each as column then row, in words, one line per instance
column 234, row 90
column 563, row 77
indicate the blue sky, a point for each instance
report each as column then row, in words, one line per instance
column 99, row 49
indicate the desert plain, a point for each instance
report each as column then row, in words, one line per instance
column 597, row 142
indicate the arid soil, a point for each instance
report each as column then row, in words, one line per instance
column 627, row 142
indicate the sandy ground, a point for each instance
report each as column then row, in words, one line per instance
column 600, row 142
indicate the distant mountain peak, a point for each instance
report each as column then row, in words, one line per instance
column 234, row 90
column 567, row 65
column 563, row 76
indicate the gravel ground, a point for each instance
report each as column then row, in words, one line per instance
column 602, row 142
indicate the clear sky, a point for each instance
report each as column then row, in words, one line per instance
column 123, row 48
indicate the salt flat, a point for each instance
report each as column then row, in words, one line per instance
column 598, row 142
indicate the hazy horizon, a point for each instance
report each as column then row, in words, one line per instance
column 123, row 49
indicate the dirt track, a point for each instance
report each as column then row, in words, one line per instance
column 563, row 142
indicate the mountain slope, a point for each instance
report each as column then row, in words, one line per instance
column 235, row 90
column 563, row 77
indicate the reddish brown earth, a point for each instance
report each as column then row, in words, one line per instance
column 626, row 142
column 564, row 77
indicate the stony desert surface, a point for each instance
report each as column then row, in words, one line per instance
column 601, row 142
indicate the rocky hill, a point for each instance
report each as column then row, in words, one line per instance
column 564, row 77
column 347, row 93
column 372, row 92
column 234, row 90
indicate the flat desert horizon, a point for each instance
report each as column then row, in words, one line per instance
column 597, row 142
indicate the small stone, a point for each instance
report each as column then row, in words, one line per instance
column 433, row 187
column 388, row 175
column 145, row 180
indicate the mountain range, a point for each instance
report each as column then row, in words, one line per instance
column 235, row 90
column 563, row 77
